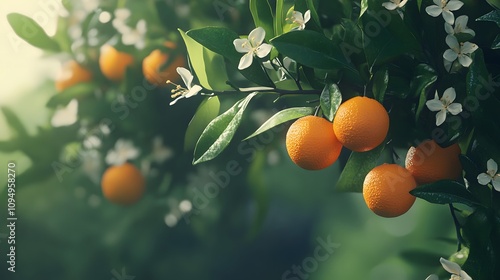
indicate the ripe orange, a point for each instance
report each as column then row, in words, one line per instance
column 361, row 124
column 312, row 144
column 386, row 190
column 113, row 63
column 123, row 184
column 428, row 162
column 73, row 74
column 153, row 63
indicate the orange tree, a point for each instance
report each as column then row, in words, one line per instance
column 427, row 70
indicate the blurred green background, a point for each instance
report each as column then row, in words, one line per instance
column 269, row 218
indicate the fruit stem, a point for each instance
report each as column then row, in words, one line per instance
column 457, row 227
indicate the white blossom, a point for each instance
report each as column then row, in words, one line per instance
column 123, row 151
column 301, row 19
column 460, row 51
column 460, row 27
column 160, row 152
column 190, row 90
column 490, row 175
column 456, row 271
column 135, row 36
column 445, row 8
column 444, row 105
column 251, row 46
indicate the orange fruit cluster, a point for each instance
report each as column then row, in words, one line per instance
column 73, row 74
column 361, row 124
column 153, row 66
column 123, row 184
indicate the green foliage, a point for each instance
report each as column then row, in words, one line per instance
column 206, row 112
column 330, row 100
column 30, row 31
column 445, row 192
column 220, row 131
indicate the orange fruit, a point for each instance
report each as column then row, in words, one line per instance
column 114, row 63
column 154, row 62
column 73, row 73
column 428, row 162
column 386, row 190
column 311, row 143
column 361, row 124
column 123, row 184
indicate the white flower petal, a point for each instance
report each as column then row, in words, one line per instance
column 389, row 6
column 186, row 76
column 492, row 166
column 454, row 5
column 141, row 26
column 449, row 29
column 464, row 275
column 256, row 37
column 450, row 55
column 455, row 108
column 434, row 105
column 193, row 91
column 468, row 48
column 66, row 116
column 465, row 60
column 452, row 42
column 177, row 99
column 461, row 22
column 307, row 16
column 130, row 38
column 448, row 16
column 440, row 117
column 433, row 10
column 449, row 96
column 451, row 267
column 242, row 45
column 245, row 61
column 483, row 179
column 468, row 31
column 402, row 3
column 432, row 277
column 496, row 182
column 263, row 50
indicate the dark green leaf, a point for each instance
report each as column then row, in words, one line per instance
column 476, row 232
column 385, row 35
column 263, row 16
column 206, row 112
column 220, row 131
column 281, row 117
column 482, row 193
column 31, row 32
column 330, row 100
column 280, row 17
column 493, row 16
column 358, row 165
column 220, row 40
column 78, row 91
column 424, row 77
column 380, row 82
column 496, row 43
column 445, row 192
column 313, row 49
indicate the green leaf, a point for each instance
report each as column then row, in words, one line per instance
column 380, row 82
column 330, row 100
column 31, row 32
column 282, row 117
column 476, row 232
column 385, row 35
column 206, row 112
column 496, row 43
column 280, row 17
column 220, row 40
column 445, row 192
column 313, row 49
column 358, row 165
column 424, row 77
column 14, row 122
column 493, row 16
column 220, row 131
column 77, row 91
column 263, row 16
column 207, row 65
